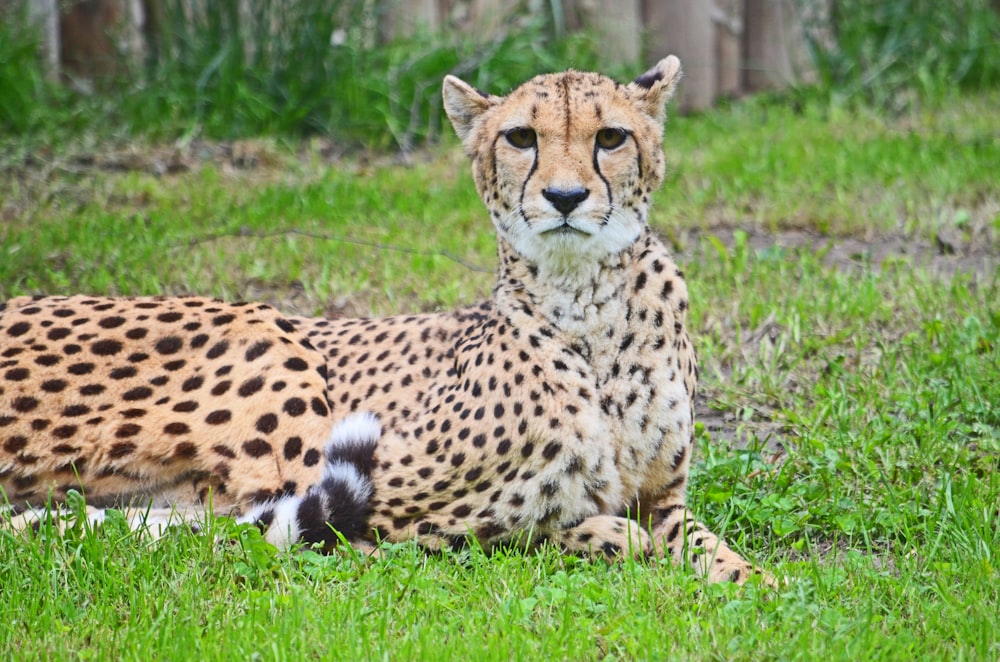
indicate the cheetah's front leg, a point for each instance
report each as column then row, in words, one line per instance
column 685, row 540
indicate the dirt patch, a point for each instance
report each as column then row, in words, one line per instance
column 950, row 253
column 970, row 255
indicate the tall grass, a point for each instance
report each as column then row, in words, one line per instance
column 288, row 67
column 891, row 52
column 25, row 93
column 295, row 67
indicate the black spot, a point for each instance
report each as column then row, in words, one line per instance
column 17, row 374
column 256, row 448
column 267, row 423
column 24, row 404
column 53, row 385
column 640, row 281
column 18, row 329
column 185, row 449
column 176, row 428
column 169, row 345
column 76, row 410
column 319, row 407
column 124, row 372
column 296, row 364
column 250, row 386
column 294, row 406
column 92, row 389
column 285, row 325
column 218, row 349
column 311, row 458
column 106, row 347
column 81, row 368
column 551, row 450
column 258, row 349
column 64, row 431
column 626, row 341
column 192, row 383
column 122, row 449
column 293, row 447
column 136, row 334
column 221, row 387
column 222, row 320
column 186, row 406
column 137, row 393
column 126, row 430
column 111, row 322
column 48, row 360
column 218, row 417
column 15, row 443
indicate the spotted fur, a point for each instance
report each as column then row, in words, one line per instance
column 558, row 410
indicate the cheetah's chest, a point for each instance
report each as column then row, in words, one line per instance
column 645, row 402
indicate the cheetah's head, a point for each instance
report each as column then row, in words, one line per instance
column 566, row 162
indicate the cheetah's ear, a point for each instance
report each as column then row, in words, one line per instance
column 464, row 104
column 653, row 89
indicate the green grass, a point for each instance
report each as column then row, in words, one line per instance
column 851, row 375
column 107, row 596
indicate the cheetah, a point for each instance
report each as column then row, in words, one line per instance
column 559, row 410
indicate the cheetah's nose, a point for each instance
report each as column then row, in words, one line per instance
column 565, row 200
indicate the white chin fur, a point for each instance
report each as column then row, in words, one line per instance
column 566, row 254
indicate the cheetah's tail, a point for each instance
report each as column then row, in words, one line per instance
column 339, row 502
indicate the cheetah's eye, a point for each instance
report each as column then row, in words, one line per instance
column 611, row 138
column 522, row 138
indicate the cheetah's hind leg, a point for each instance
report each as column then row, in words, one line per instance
column 605, row 536
column 339, row 502
column 146, row 520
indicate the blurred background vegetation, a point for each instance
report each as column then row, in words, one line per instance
column 367, row 72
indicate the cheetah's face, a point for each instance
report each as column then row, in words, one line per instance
column 566, row 162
